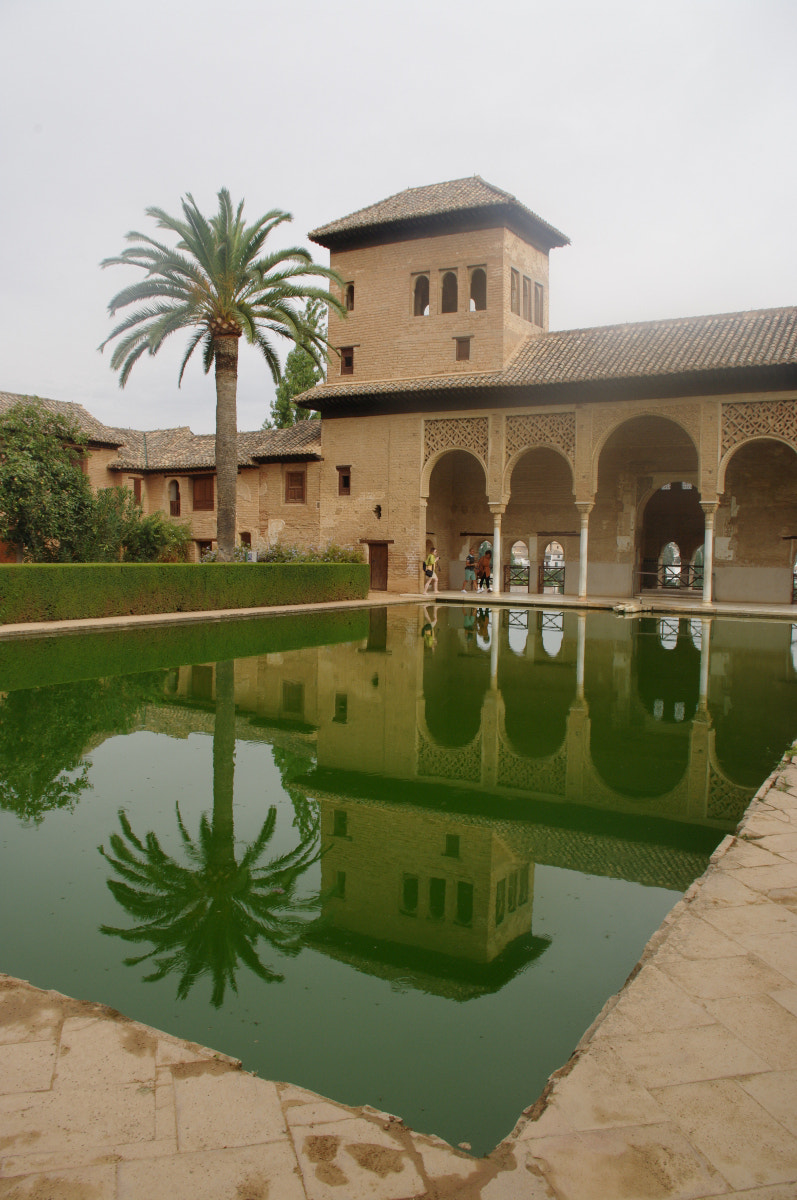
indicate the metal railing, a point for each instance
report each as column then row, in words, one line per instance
column 515, row 576
column 550, row 579
column 174, row 508
column 669, row 577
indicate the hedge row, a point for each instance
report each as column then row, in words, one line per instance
column 68, row 591
column 37, row 662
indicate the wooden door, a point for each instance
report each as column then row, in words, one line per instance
column 377, row 557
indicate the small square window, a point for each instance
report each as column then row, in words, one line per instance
column 293, row 698
column 347, row 360
column 204, row 548
column 246, row 539
column 340, row 823
column 203, row 493
column 294, row 487
column 514, row 290
column 409, row 894
column 539, row 304
column 452, row 845
column 526, row 298
column 344, row 481
column 462, row 349
column 340, row 885
column 341, row 708
column 350, row 297
column 437, row 899
column 464, row 913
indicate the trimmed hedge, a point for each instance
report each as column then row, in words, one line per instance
column 69, row 591
column 37, row 662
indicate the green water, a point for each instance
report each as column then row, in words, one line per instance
column 400, row 857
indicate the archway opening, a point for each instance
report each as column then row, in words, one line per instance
column 646, row 457
column 755, row 526
column 672, row 530
column 541, row 511
column 457, row 514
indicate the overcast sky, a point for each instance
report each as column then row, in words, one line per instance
column 660, row 137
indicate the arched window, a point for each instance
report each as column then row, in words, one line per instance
column 349, row 297
column 420, row 306
column 670, row 563
column 174, row 498
column 448, row 299
column 553, row 632
column 478, row 290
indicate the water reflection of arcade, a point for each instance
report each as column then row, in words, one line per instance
column 515, row 711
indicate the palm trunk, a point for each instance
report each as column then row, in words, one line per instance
column 226, row 358
column 224, row 768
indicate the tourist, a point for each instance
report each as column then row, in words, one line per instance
column 470, row 571
column 484, row 571
column 427, row 632
column 430, row 569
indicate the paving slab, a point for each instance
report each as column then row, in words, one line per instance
column 684, row 1087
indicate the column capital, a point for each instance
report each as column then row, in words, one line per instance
column 585, row 507
column 497, row 509
column 709, row 507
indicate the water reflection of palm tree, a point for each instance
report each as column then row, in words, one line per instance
column 204, row 916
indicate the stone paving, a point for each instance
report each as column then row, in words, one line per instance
column 684, row 1088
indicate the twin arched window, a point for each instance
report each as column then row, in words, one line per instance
column 449, row 293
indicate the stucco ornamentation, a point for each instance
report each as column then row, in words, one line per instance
column 726, row 800
column 455, row 433
column 543, row 776
column 442, row 763
column 541, row 429
column 773, row 418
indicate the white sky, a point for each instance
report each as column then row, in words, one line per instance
column 661, row 137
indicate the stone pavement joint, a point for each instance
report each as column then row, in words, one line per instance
column 683, row 1088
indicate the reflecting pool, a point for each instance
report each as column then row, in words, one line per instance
column 398, row 856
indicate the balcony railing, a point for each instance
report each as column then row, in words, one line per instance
column 174, row 508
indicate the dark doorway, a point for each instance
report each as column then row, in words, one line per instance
column 377, row 556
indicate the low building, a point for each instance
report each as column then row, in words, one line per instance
column 173, row 471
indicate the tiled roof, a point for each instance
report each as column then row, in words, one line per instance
column 94, row 430
column 649, row 349
column 181, row 450
column 434, row 201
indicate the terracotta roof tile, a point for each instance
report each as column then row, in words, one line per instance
column 179, row 449
column 94, row 430
column 473, row 194
column 648, row 349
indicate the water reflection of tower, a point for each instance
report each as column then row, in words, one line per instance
column 441, row 898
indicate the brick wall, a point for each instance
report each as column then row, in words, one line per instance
column 390, row 342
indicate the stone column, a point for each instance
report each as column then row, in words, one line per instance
column 580, row 648
column 497, row 510
column 705, row 658
column 710, row 511
column 584, row 508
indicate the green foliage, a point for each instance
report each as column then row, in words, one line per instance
column 44, row 733
column 301, row 372
column 47, row 505
column 217, row 283
column 120, row 531
column 332, row 553
column 39, row 592
column 46, row 502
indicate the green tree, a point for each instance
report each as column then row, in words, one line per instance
column 121, row 532
column 301, row 373
column 46, row 502
column 204, row 915
column 218, row 284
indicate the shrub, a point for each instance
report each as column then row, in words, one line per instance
column 310, row 554
column 53, row 592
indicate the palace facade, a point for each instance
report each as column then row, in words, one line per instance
column 452, row 416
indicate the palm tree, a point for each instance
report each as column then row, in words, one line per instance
column 218, row 284
column 203, row 915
